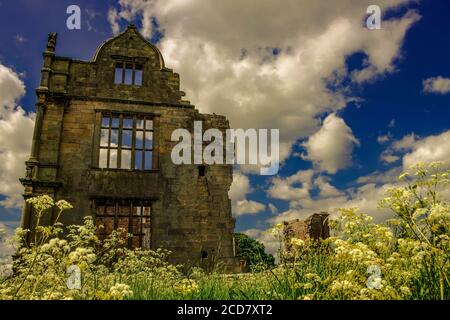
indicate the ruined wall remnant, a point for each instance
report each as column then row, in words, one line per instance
column 102, row 141
column 314, row 227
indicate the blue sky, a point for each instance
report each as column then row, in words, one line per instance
column 392, row 103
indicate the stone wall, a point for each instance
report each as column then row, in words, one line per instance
column 191, row 214
column 314, row 227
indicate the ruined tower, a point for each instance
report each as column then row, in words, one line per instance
column 102, row 141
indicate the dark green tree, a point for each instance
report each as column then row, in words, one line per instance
column 253, row 251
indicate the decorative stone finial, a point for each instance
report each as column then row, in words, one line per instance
column 51, row 43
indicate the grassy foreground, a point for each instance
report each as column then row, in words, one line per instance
column 406, row 258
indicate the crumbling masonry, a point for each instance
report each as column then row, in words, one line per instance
column 102, row 141
column 315, row 227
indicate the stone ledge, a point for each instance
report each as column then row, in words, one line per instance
column 127, row 101
column 40, row 183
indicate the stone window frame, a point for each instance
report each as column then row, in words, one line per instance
column 133, row 67
column 134, row 61
column 134, row 116
column 144, row 211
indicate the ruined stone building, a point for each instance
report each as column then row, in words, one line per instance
column 314, row 227
column 102, row 141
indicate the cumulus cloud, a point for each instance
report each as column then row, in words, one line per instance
column 318, row 193
column 326, row 190
column 381, row 177
column 290, row 188
column 438, row 85
column 324, row 197
column 238, row 192
column 16, row 127
column 330, row 148
column 412, row 149
column 113, row 19
column 248, row 207
column 364, row 196
column 298, row 190
column 429, row 149
column 397, row 148
column 239, row 188
column 271, row 67
column 11, row 89
column 405, row 143
column 270, row 242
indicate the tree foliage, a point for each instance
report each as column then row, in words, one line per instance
column 253, row 251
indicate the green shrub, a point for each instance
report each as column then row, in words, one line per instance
column 253, row 252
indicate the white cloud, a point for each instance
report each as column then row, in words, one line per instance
column 223, row 52
column 384, row 50
column 11, row 89
column 326, row 190
column 429, row 149
column 301, row 202
column 397, row 148
column 381, row 177
column 329, row 199
column 16, row 127
column 294, row 187
column 270, row 242
column 412, row 149
column 389, row 158
column 383, row 139
column 439, row 85
column 368, row 190
column 239, row 188
column 238, row 192
column 330, row 148
column 249, row 207
column 113, row 19
column 406, row 143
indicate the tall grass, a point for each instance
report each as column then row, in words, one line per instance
column 410, row 254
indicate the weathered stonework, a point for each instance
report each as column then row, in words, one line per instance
column 314, row 227
column 190, row 208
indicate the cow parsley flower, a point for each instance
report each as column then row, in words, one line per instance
column 41, row 203
column 186, row 286
column 63, row 205
column 120, row 291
